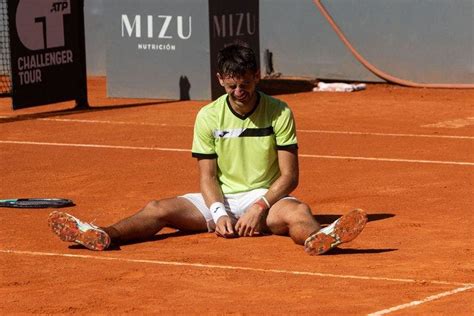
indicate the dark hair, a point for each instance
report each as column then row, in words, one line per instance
column 236, row 60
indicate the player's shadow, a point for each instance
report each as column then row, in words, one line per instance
column 163, row 236
column 350, row 251
column 324, row 219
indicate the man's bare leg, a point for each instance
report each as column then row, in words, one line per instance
column 293, row 218
column 177, row 213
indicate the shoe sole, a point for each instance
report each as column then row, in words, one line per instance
column 348, row 227
column 67, row 228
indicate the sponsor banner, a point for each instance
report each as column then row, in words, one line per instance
column 232, row 22
column 157, row 49
column 167, row 49
column 47, row 51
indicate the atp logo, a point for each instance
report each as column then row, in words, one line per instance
column 40, row 24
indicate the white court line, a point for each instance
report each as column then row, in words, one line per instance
column 461, row 163
column 111, row 122
column 425, row 300
column 223, row 267
column 299, row 130
column 391, row 160
column 464, row 286
column 384, row 134
column 93, row 146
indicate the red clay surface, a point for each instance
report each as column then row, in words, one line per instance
column 380, row 150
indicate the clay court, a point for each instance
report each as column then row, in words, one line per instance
column 404, row 155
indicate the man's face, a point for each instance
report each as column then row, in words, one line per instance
column 241, row 89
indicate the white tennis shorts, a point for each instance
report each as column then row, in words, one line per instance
column 236, row 204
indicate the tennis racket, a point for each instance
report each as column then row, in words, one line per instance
column 36, row 203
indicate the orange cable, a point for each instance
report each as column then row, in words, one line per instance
column 377, row 71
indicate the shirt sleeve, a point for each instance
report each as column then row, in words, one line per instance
column 203, row 139
column 285, row 128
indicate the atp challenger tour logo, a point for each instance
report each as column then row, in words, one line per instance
column 40, row 26
column 159, row 27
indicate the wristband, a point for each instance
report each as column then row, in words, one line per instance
column 217, row 211
column 261, row 204
column 266, row 201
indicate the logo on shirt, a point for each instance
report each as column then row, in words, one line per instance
column 244, row 132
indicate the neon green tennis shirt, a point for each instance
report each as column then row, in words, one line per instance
column 245, row 146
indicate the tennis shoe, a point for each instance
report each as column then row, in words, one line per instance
column 343, row 230
column 71, row 229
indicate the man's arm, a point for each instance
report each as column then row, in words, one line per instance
column 253, row 219
column 288, row 180
column 212, row 194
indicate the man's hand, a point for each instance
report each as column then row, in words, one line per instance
column 225, row 227
column 251, row 222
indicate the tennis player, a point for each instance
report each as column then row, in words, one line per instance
column 246, row 148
